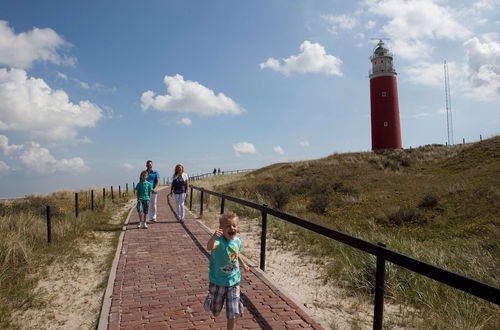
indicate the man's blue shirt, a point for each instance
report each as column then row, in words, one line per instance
column 152, row 176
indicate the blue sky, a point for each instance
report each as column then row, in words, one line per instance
column 90, row 90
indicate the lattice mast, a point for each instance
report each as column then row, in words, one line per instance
column 449, row 119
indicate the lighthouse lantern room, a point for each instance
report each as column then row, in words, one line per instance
column 386, row 131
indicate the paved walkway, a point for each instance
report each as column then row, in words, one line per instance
column 161, row 282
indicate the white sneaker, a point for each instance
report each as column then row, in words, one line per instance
column 139, row 226
column 145, row 225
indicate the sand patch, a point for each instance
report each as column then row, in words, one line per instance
column 71, row 291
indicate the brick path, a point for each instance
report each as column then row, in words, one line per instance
column 161, row 282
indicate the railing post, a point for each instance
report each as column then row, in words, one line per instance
column 201, row 203
column 191, row 199
column 103, row 195
column 263, row 241
column 378, row 315
column 126, row 188
column 222, row 205
column 112, row 195
column 49, row 228
column 92, row 200
column 119, row 192
column 76, row 205
column 133, row 186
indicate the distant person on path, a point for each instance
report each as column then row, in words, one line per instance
column 218, row 171
column 224, row 273
column 154, row 179
column 215, row 171
column 144, row 190
column 179, row 187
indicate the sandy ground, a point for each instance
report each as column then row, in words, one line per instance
column 71, row 294
column 300, row 278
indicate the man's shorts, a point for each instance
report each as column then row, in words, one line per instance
column 142, row 206
column 217, row 295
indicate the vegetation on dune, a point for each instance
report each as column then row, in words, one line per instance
column 439, row 204
column 25, row 252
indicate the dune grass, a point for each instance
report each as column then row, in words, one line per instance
column 435, row 203
column 25, row 252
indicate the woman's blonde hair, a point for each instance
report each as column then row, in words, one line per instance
column 226, row 216
column 179, row 169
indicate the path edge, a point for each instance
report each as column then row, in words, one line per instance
column 106, row 303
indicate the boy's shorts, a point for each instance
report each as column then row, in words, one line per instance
column 217, row 295
column 142, row 206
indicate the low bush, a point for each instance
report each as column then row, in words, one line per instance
column 428, row 201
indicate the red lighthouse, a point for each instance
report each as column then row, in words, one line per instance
column 386, row 131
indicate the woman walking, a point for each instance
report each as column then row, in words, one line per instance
column 179, row 188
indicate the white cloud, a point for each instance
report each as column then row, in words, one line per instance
column 8, row 149
column 30, row 105
column 3, row 167
column 21, row 50
column 278, row 150
column 312, row 59
column 303, row 143
column 127, row 166
column 62, row 75
column 244, row 148
column 483, row 60
column 185, row 121
column 413, row 22
column 344, row 22
column 370, row 24
column 39, row 159
column 189, row 96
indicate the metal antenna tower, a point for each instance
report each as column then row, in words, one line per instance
column 449, row 119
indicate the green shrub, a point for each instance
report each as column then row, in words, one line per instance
column 406, row 216
column 318, row 204
column 428, row 201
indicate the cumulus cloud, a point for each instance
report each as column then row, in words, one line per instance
column 189, row 96
column 127, row 166
column 30, row 105
column 432, row 74
column 40, row 160
column 278, row 150
column 6, row 148
column 3, row 167
column 303, row 143
column 185, row 121
column 312, row 59
column 23, row 49
column 483, row 60
column 411, row 23
column 244, row 148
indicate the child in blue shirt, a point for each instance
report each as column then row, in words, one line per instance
column 224, row 274
column 144, row 190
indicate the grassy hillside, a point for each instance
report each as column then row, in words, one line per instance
column 436, row 203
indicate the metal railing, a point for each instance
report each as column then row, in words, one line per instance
column 460, row 282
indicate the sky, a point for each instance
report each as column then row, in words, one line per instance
column 90, row 90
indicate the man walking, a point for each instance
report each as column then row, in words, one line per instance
column 154, row 179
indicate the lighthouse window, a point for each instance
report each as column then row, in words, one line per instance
column 385, row 124
column 384, row 94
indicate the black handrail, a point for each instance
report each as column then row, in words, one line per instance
column 460, row 282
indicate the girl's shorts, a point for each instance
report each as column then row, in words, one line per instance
column 217, row 295
column 142, row 206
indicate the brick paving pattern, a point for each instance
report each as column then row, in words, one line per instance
column 162, row 280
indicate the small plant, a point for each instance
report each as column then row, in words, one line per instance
column 318, row 204
column 429, row 201
column 405, row 216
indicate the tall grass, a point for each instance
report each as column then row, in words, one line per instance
column 25, row 252
column 435, row 203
